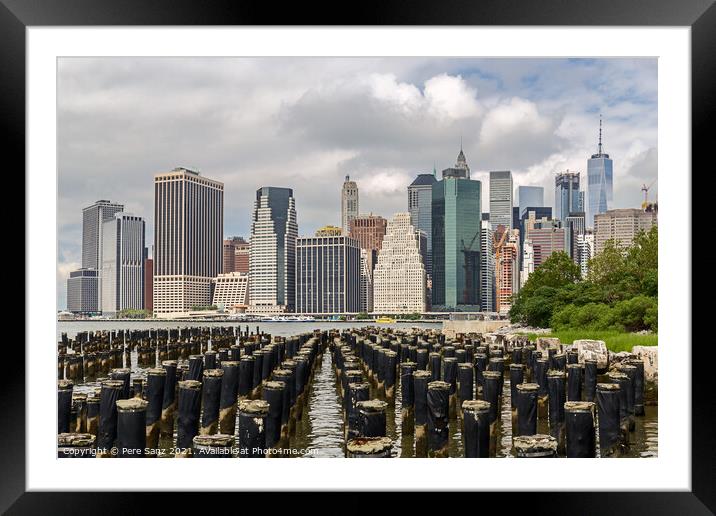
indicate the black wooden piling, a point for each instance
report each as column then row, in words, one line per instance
column 189, row 406
column 64, row 405
column 476, row 428
column 580, row 429
column 608, row 401
column 535, row 446
column 215, row 446
column 438, row 401
column 211, row 400
column 155, row 395
column 252, row 428
column 131, row 427
column 369, row 448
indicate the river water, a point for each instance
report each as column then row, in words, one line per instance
column 319, row 433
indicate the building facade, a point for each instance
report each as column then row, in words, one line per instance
column 188, row 237
column 548, row 240
column 501, row 198
column 92, row 219
column 272, row 260
column 148, row 283
column 231, row 291
column 328, row 274
column 369, row 230
column 528, row 261
column 456, row 221
column 82, row 291
column 585, row 252
column 507, row 273
column 600, row 171
column 529, row 196
column 621, row 226
column 566, row 194
column 123, row 255
column 368, row 259
column 349, row 203
column 399, row 279
column 487, row 268
column 420, row 199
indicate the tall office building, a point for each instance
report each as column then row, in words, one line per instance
column 349, row 203
column 369, row 230
column 368, row 260
column 528, row 261
column 92, row 219
column 188, row 237
column 507, row 273
column 272, row 259
column 242, row 250
column 599, row 182
column 487, row 268
column 327, row 274
column 123, row 254
column 148, row 281
column 456, row 214
column 501, row 198
column 82, row 291
column 529, row 196
column 576, row 224
column 621, row 226
column 566, row 194
column 420, row 199
column 399, row 279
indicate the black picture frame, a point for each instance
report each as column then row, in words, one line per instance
column 700, row 15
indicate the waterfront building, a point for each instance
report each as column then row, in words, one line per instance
column 188, row 237
column 566, row 194
column 235, row 255
column 399, row 279
column 123, row 255
column 328, row 274
column 231, row 291
column 420, row 199
column 349, row 203
column 507, row 273
column 272, row 259
column 487, row 268
column 501, row 198
column 599, row 182
column 83, row 291
column 621, row 226
column 456, row 220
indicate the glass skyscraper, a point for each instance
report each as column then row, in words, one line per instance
column 529, row 196
column 566, row 194
column 456, row 219
column 599, row 182
column 501, row 199
column 272, row 258
column 420, row 200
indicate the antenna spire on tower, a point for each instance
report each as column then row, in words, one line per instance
column 600, row 134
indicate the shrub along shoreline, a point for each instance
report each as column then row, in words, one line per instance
column 615, row 341
column 619, row 295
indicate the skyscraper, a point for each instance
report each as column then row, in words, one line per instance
column 566, row 194
column 349, row 203
column 272, row 258
column 456, row 217
column 529, row 196
column 188, row 232
column 327, row 274
column 82, row 291
column 236, row 255
column 420, row 199
column 501, row 199
column 92, row 219
column 487, row 268
column 599, row 182
column 122, row 263
column 399, row 277
column 621, row 226
column 369, row 230
column 548, row 240
column 507, row 273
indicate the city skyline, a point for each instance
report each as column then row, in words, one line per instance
column 492, row 105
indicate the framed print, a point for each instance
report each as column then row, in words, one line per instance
column 436, row 237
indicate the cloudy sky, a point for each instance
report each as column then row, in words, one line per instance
column 305, row 123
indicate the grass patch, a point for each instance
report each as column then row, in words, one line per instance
column 615, row 341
